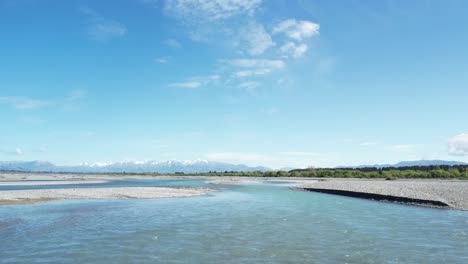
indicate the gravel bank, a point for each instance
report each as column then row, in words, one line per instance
column 432, row 193
column 32, row 196
column 54, row 182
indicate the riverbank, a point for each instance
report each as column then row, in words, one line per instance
column 44, row 195
column 425, row 192
column 431, row 193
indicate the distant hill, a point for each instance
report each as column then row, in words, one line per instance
column 172, row 166
column 410, row 164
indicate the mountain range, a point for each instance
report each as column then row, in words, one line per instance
column 172, row 166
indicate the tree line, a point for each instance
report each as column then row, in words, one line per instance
column 413, row 172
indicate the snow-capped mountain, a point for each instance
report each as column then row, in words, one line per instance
column 171, row 166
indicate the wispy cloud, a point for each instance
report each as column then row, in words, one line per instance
column 247, row 34
column 299, row 153
column 210, row 10
column 259, row 45
column 173, row 43
column 163, row 60
column 258, row 40
column 14, row 152
column 401, row 147
column 32, row 120
column 42, row 149
column 251, row 67
column 249, row 85
column 190, row 84
column 196, row 82
column 71, row 134
column 69, row 101
column 23, row 103
column 74, row 99
column 369, row 143
column 18, row 151
column 458, row 145
column 293, row 49
column 297, row 30
column 258, row 63
column 77, row 95
column 101, row 28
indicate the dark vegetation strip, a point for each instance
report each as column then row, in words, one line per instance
column 379, row 197
column 389, row 173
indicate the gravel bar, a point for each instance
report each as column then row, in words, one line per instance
column 50, row 182
column 431, row 193
column 41, row 195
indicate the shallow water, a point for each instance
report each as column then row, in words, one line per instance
column 106, row 184
column 250, row 223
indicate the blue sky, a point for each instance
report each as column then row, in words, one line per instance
column 274, row 83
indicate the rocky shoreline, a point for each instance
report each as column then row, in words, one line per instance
column 450, row 194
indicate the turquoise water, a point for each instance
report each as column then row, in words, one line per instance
column 260, row 223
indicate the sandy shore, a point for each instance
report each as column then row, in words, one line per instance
column 42, row 195
column 433, row 193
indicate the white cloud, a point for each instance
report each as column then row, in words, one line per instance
column 191, row 84
column 232, row 24
column 458, row 145
column 249, row 73
column 257, row 63
column 297, row 30
column 294, row 50
column 173, row 43
column 101, row 28
column 196, row 82
column 18, row 151
column 210, row 10
column 249, row 85
column 23, row 103
column 243, row 68
column 257, row 38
